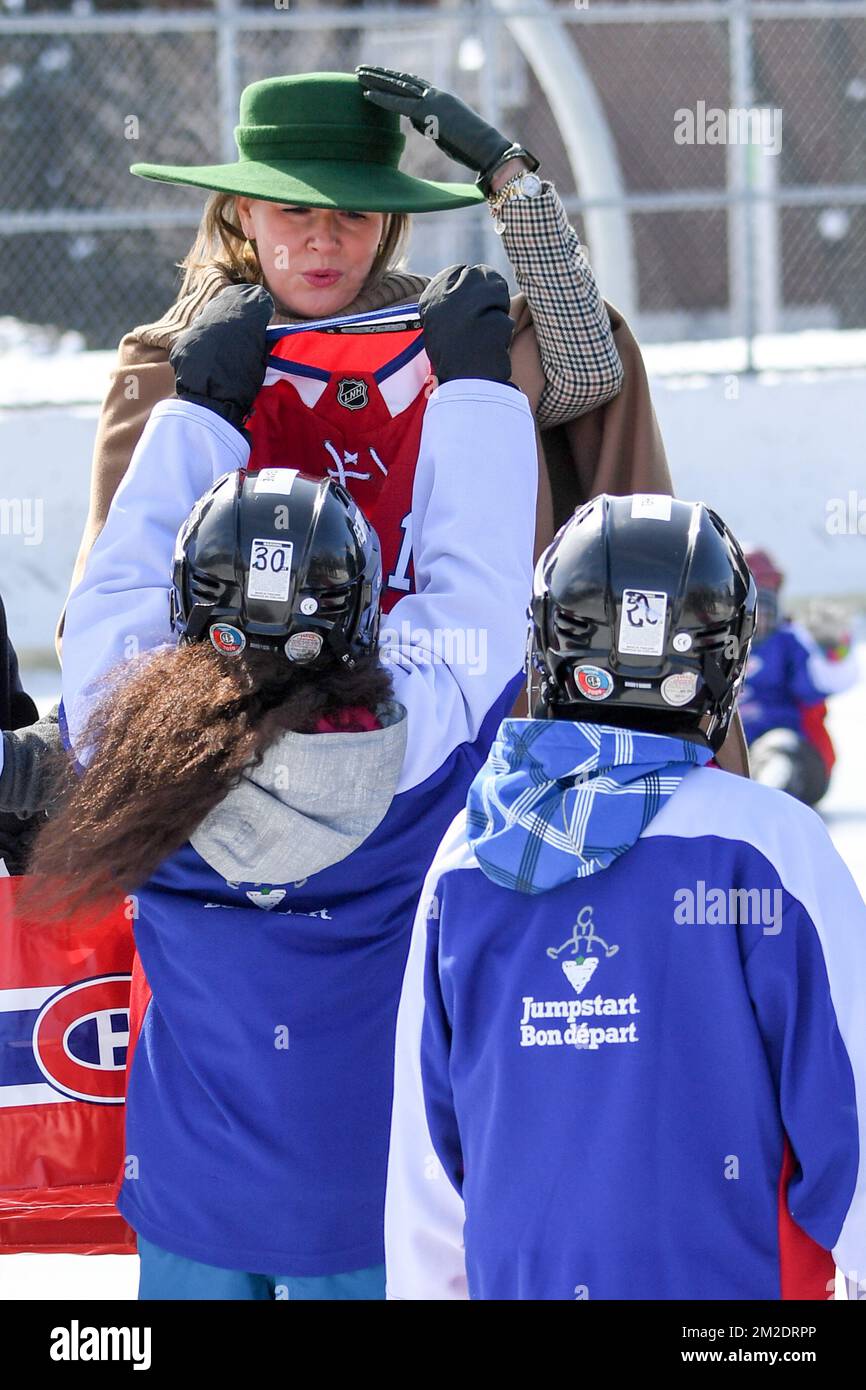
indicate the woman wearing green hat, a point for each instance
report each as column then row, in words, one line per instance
column 317, row 208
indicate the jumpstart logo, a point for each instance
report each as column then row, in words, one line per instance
column 80, row 1039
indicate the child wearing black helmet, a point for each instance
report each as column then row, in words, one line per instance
column 268, row 783
column 631, row 1047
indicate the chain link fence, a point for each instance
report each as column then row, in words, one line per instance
column 712, row 153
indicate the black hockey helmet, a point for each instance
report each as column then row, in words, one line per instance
column 642, row 614
column 278, row 561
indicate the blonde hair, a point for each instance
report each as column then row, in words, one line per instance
column 220, row 242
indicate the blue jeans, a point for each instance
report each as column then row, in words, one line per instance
column 168, row 1276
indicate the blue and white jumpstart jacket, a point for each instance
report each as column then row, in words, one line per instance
column 631, row 1046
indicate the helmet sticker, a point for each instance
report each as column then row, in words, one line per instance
column 359, row 526
column 682, row 642
column 593, row 682
column 275, row 480
column 270, row 573
column 679, row 688
column 308, row 606
column 648, row 504
column 227, row 639
column 303, row 646
column 642, row 624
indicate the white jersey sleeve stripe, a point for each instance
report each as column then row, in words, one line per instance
column 424, row 1215
column 795, row 842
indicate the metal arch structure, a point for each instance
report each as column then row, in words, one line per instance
column 544, row 40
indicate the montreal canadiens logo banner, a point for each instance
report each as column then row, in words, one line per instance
column 64, row 1033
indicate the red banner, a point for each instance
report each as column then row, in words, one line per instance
column 64, row 1032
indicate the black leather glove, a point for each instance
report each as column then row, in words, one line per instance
column 30, row 786
column 467, row 327
column 221, row 359
column 33, row 758
column 458, row 130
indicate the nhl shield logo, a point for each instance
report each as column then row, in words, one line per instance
column 352, row 393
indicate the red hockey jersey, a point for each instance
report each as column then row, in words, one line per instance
column 345, row 399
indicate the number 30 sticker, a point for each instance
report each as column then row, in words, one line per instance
column 270, row 573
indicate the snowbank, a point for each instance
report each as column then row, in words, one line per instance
column 778, row 454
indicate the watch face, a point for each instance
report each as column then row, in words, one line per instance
column 530, row 185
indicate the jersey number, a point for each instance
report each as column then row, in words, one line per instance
column 400, row 579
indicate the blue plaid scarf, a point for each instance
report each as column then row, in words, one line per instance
column 557, row 801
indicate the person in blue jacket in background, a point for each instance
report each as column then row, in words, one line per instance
column 269, row 781
column 631, row 1046
column 783, row 704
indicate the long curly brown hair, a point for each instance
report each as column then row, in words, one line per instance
column 170, row 736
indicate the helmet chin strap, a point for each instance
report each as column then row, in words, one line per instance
column 537, row 690
column 199, row 621
column 716, row 732
column 339, row 646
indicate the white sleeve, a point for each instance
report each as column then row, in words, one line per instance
column 454, row 645
column 121, row 606
column 424, row 1213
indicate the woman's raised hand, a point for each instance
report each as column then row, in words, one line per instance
column 221, row 359
column 458, row 130
column 467, row 327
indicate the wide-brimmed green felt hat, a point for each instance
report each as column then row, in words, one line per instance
column 316, row 141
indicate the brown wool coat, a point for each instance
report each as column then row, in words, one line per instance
column 615, row 448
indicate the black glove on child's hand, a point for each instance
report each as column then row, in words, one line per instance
column 467, row 328
column 458, row 130
column 221, row 359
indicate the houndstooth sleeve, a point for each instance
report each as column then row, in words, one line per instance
column 575, row 340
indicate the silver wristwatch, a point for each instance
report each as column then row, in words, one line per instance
column 525, row 184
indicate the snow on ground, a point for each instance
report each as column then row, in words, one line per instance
column 811, row 350
column 79, row 375
column 44, row 1278
column 42, row 685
